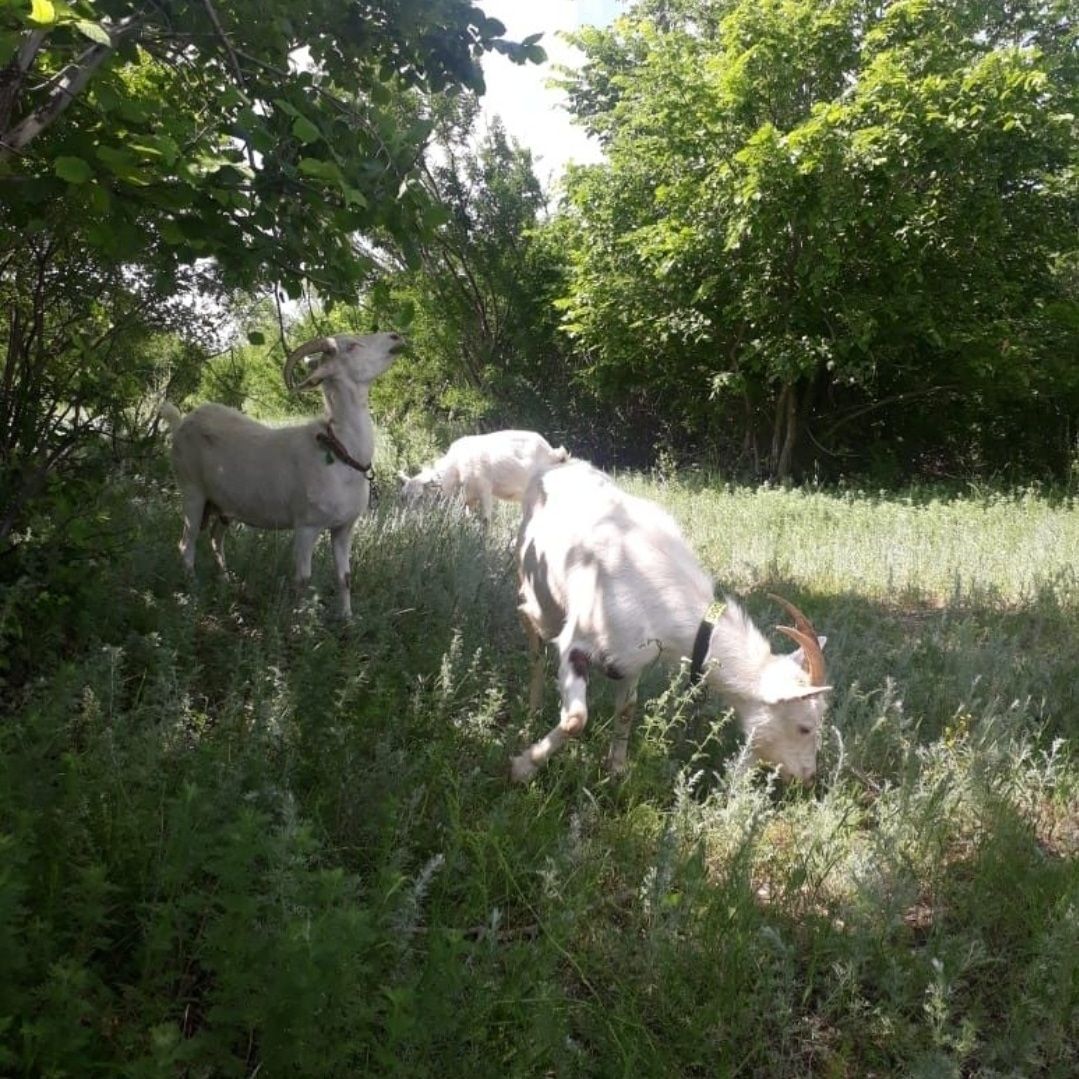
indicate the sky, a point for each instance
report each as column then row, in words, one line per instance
column 530, row 110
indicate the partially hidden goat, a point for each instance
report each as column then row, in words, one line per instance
column 480, row 468
column 307, row 477
column 610, row 580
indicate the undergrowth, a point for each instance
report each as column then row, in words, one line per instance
column 239, row 837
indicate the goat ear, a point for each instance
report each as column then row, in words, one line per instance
column 318, row 375
column 799, row 656
column 803, row 693
column 403, row 476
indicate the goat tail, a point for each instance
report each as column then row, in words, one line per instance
column 171, row 415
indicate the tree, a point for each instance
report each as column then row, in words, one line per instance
column 822, row 223
column 206, row 124
column 87, row 342
column 244, row 144
column 480, row 300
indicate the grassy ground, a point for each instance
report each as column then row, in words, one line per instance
column 238, row 837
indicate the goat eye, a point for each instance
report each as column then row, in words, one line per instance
column 804, row 729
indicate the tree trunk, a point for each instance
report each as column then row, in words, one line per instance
column 783, row 467
column 750, row 452
column 777, row 428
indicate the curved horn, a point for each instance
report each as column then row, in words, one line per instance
column 316, row 344
column 814, row 657
column 804, row 625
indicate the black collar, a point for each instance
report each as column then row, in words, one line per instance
column 700, row 651
column 333, row 445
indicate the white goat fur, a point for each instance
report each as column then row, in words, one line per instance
column 610, row 580
column 481, row 468
column 229, row 466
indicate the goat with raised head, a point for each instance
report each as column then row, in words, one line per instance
column 308, row 477
column 481, row 468
column 610, row 580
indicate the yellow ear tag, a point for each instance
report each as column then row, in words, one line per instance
column 715, row 610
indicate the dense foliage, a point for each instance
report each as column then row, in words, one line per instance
column 480, row 302
column 148, row 152
column 834, row 233
column 263, row 135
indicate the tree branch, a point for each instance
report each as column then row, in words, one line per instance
column 12, row 76
column 220, row 30
column 234, row 59
column 70, row 83
column 883, row 403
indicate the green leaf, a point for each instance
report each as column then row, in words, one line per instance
column 435, row 215
column 73, row 169
column 230, row 97
column 305, row 131
column 286, row 107
column 157, row 146
column 42, row 12
column 171, row 233
column 94, row 31
column 241, row 169
column 121, row 163
column 135, row 112
column 320, row 170
column 353, row 197
column 105, row 95
column 256, row 337
column 99, row 198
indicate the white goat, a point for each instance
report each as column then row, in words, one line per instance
column 309, row 477
column 483, row 467
column 609, row 579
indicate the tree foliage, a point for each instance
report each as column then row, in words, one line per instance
column 260, row 134
column 824, row 225
column 149, row 152
column 480, row 300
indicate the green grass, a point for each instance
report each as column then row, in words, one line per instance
column 237, row 836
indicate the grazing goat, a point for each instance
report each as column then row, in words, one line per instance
column 483, row 467
column 609, row 579
column 309, row 477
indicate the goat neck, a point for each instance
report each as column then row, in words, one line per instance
column 347, row 409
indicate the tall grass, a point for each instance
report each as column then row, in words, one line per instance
column 924, row 546
column 237, row 836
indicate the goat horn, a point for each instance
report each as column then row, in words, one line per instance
column 806, row 635
column 316, row 344
column 804, row 625
column 813, row 662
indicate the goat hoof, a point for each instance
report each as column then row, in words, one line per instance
column 616, row 765
column 522, row 769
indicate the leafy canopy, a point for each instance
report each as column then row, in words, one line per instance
column 260, row 134
column 811, row 209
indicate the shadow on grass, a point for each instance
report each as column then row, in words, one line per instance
column 239, row 834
